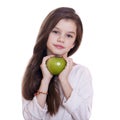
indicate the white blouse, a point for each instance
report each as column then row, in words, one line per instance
column 77, row 107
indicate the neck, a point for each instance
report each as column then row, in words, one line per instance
column 50, row 53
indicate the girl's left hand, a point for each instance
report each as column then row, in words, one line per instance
column 65, row 73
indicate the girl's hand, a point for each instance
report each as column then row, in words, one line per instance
column 46, row 74
column 65, row 73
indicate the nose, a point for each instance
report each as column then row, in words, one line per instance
column 61, row 38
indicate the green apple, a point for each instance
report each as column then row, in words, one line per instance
column 56, row 65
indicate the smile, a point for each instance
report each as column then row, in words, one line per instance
column 59, row 46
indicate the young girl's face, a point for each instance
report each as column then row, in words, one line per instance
column 61, row 39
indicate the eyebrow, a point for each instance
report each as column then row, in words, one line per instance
column 68, row 31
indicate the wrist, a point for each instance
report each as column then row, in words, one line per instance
column 44, row 86
column 46, row 80
column 67, row 88
column 40, row 92
column 63, row 80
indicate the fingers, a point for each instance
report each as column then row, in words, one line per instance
column 65, row 73
column 45, row 72
column 69, row 64
column 69, row 61
column 45, row 59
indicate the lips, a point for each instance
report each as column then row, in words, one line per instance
column 59, row 46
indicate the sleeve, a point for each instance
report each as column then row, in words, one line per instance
column 79, row 103
column 32, row 110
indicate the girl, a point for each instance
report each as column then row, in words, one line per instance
column 67, row 96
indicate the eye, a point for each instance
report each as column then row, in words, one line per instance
column 69, row 36
column 55, row 31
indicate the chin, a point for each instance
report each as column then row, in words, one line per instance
column 58, row 54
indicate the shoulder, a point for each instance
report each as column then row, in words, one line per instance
column 80, row 69
column 80, row 74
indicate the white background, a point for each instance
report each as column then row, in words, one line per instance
column 19, row 25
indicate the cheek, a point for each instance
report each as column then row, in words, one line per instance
column 49, row 39
column 48, row 42
column 72, row 44
column 51, row 36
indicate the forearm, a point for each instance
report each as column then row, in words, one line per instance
column 67, row 89
column 41, row 97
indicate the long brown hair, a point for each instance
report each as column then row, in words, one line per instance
column 33, row 75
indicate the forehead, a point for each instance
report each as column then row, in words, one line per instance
column 67, row 24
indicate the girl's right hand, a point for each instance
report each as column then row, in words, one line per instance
column 46, row 74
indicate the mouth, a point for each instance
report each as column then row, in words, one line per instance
column 59, row 46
